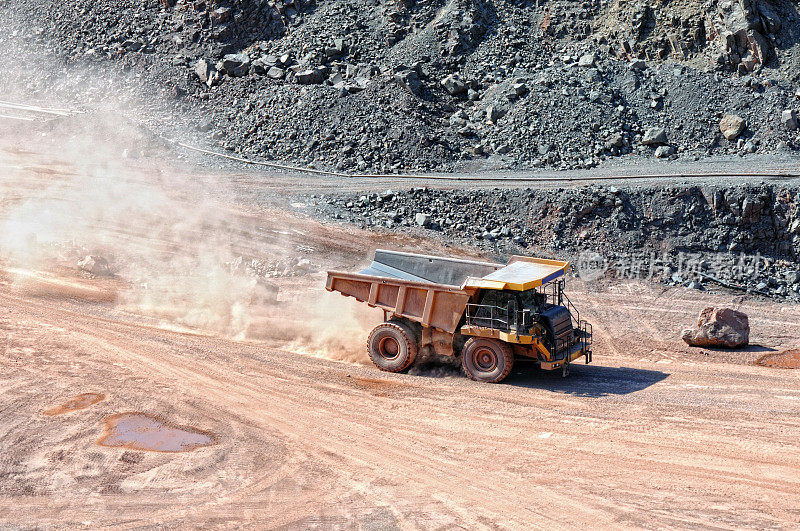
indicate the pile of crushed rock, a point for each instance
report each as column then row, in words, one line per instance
column 411, row 85
column 745, row 236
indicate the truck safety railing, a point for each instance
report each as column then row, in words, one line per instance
column 585, row 338
column 573, row 311
column 562, row 346
column 498, row 318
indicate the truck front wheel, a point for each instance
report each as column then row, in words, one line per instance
column 487, row 360
column 392, row 346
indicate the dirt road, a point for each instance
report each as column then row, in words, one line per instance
column 648, row 436
column 652, row 434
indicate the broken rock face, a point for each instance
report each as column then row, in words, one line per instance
column 742, row 33
column 719, row 327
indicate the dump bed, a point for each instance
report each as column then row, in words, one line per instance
column 425, row 289
column 434, row 290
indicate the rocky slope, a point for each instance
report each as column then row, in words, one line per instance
column 746, row 235
column 391, row 85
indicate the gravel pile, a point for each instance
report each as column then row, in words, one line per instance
column 745, row 235
column 410, row 85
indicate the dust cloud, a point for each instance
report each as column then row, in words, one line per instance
column 162, row 234
column 328, row 325
column 180, row 249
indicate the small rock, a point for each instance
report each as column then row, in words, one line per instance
column 265, row 291
column 410, row 80
column 696, row 285
column 221, row 15
column 262, row 65
column 789, row 119
column 731, row 126
column 454, row 85
column 494, row 113
column 234, row 64
column 131, row 458
column 616, row 140
column 309, row 77
column 423, row 220
column 96, row 265
column 654, row 136
column 519, row 89
column 663, row 152
column 275, row 73
column 203, row 69
column 336, row 49
column 719, row 327
column 587, row 60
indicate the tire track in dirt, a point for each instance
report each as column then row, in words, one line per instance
column 301, row 398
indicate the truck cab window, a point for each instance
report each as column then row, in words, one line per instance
column 497, row 298
column 533, row 300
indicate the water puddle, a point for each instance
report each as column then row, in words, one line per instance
column 788, row 359
column 82, row 401
column 140, row 431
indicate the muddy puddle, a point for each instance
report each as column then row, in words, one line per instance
column 140, row 431
column 82, row 401
column 788, row 359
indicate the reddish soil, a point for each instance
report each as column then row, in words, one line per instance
column 82, row 401
column 652, row 434
column 788, row 359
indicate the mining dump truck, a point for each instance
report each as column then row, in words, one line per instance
column 485, row 313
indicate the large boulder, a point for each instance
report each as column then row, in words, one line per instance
column 719, row 327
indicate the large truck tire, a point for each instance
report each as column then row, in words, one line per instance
column 487, row 360
column 392, row 346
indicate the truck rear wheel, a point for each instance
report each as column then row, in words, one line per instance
column 392, row 346
column 487, row 360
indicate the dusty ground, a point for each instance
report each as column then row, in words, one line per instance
column 652, row 434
